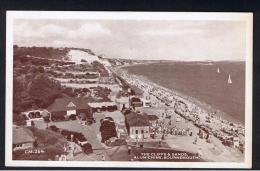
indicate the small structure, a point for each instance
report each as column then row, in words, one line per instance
column 136, row 102
column 34, row 116
column 153, row 119
column 65, row 107
column 121, row 131
column 22, row 138
column 122, row 102
column 146, row 103
column 137, row 125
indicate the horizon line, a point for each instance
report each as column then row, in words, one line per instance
column 134, row 59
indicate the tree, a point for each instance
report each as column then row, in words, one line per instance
column 33, row 69
column 18, row 88
column 43, row 91
column 85, row 90
column 19, row 119
column 41, row 69
column 69, row 91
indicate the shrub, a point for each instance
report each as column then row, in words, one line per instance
column 46, row 119
column 72, row 117
column 40, row 69
column 19, row 119
column 54, row 128
column 65, row 132
column 87, row 148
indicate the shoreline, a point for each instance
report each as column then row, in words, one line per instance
column 186, row 113
column 205, row 106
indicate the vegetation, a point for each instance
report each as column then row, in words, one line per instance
column 44, row 52
column 50, row 143
column 102, row 92
column 100, row 67
column 76, row 137
column 33, row 90
column 33, row 83
column 107, row 129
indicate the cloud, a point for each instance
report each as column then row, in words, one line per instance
column 173, row 32
column 93, row 28
column 184, row 40
column 23, row 30
column 58, row 32
column 52, row 30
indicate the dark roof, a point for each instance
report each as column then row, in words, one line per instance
column 22, row 135
column 135, row 119
column 136, row 90
column 62, row 103
column 152, row 117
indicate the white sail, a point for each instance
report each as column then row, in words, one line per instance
column 218, row 70
column 229, row 79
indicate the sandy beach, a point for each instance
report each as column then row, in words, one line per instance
column 188, row 115
column 201, row 84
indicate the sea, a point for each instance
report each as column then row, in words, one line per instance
column 202, row 81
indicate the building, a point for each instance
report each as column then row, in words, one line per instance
column 136, row 102
column 122, row 102
column 121, row 131
column 22, row 138
column 35, row 116
column 153, row 120
column 146, row 103
column 65, row 107
column 137, row 125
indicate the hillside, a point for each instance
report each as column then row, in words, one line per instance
column 75, row 55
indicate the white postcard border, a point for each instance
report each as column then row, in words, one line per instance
column 11, row 15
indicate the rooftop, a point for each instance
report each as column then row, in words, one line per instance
column 22, row 135
column 135, row 119
column 61, row 104
column 100, row 104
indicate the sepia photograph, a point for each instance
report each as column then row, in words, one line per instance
column 129, row 89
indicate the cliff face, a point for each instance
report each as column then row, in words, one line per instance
column 75, row 55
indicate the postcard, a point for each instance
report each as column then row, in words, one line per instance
column 129, row 89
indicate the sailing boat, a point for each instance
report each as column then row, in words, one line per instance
column 229, row 79
column 218, row 70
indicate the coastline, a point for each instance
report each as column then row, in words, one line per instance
column 196, row 101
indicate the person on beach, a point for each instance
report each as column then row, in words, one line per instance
column 195, row 140
column 103, row 158
column 191, row 132
column 199, row 153
column 183, row 132
column 129, row 150
column 207, row 136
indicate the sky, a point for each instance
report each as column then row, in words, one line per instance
column 139, row 39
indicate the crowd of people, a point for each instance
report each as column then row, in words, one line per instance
column 208, row 122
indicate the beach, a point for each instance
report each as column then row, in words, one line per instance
column 202, row 84
column 181, row 114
